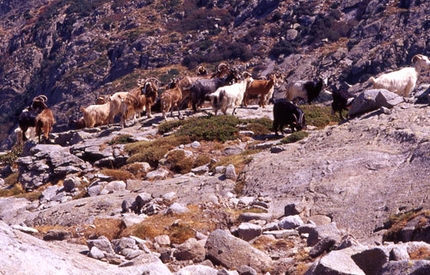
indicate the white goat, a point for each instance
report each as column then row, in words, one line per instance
column 230, row 96
column 403, row 81
column 115, row 102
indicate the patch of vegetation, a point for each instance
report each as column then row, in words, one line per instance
column 239, row 161
column 179, row 163
column 260, row 126
column 397, row 222
column 319, row 116
column 110, row 228
column 156, row 225
column 294, row 137
column 202, row 159
column 169, row 126
column 210, row 128
column 10, row 157
column 117, row 174
column 153, row 151
column 120, row 139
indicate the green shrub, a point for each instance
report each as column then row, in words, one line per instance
column 169, row 126
column 319, row 116
column 152, row 151
column 260, row 126
column 120, row 139
column 294, row 137
column 150, row 155
column 12, row 155
column 210, row 128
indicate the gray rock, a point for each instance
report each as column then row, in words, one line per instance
column 322, row 246
column 410, row 267
column 96, row 253
column 70, row 183
column 158, row 174
column 248, row 231
column 191, row 249
column 399, row 254
column 177, row 208
column 371, row 100
column 337, row 262
column 101, row 243
column 119, row 244
column 197, row 269
column 319, row 232
column 231, row 252
column 230, row 172
column 246, row 270
column 162, row 240
column 290, row 222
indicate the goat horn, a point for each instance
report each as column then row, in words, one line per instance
column 417, row 57
column 222, row 66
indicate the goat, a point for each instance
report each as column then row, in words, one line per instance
column 44, row 123
column 306, row 90
column 185, row 83
column 98, row 114
column 342, row 100
column 113, row 106
column 201, row 88
column 149, row 89
column 403, row 81
column 287, row 113
column 80, row 122
column 170, row 99
column 230, row 96
column 27, row 118
column 262, row 88
column 132, row 105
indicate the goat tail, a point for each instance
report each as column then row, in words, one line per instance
column 372, row 80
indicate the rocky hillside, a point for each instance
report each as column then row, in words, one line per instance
column 74, row 50
column 350, row 198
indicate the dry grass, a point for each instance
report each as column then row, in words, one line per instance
column 117, row 174
column 422, row 253
column 109, row 227
column 179, row 227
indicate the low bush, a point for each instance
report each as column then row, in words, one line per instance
column 294, row 137
column 319, row 116
column 210, row 128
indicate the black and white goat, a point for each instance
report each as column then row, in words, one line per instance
column 305, row 90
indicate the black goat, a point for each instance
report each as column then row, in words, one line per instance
column 342, row 100
column 287, row 113
column 306, row 90
column 27, row 118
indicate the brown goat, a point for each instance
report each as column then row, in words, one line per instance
column 262, row 88
column 170, row 99
column 149, row 88
column 132, row 105
column 44, row 123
